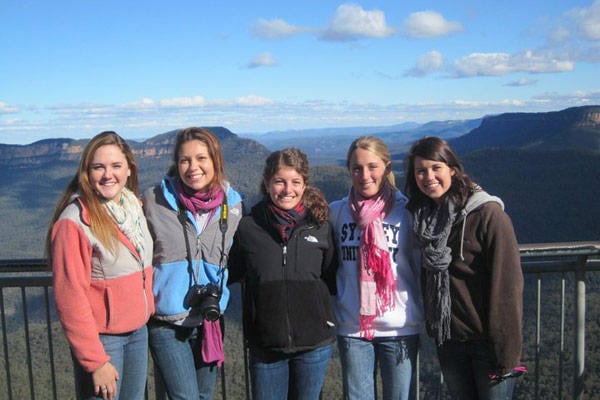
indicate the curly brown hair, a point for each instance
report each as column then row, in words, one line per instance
column 313, row 199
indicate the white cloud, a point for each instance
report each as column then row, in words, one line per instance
column 429, row 24
column 351, row 22
column 253, row 100
column 262, row 60
column 7, row 109
column 495, row 64
column 196, row 101
column 426, row 64
column 143, row 103
column 522, row 81
column 276, row 29
column 585, row 22
column 132, row 121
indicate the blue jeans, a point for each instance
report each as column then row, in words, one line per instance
column 299, row 375
column 176, row 353
column 129, row 355
column 466, row 366
column 397, row 358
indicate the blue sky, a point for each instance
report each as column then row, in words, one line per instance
column 75, row 68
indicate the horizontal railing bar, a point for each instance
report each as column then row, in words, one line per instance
column 26, row 281
column 29, row 265
column 549, row 266
column 535, row 259
column 560, row 249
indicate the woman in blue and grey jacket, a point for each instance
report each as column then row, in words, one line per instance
column 192, row 214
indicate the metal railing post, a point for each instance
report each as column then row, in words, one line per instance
column 579, row 367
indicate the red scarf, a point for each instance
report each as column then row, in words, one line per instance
column 377, row 285
column 284, row 221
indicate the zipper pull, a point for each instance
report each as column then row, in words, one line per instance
column 284, row 255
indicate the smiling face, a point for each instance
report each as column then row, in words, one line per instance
column 108, row 171
column 433, row 178
column 285, row 188
column 368, row 172
column 195, row 166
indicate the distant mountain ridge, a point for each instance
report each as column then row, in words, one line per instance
column 576, row 128
column 61, row 149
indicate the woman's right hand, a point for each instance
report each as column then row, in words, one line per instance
column 105, row 381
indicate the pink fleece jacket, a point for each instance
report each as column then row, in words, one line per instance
column 95, row 291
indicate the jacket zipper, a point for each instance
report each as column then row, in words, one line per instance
column 287, row 314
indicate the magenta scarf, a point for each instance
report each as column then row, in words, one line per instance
column 199, row 202
column 377, row 284
column 212, row 343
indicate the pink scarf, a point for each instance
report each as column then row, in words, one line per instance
column 199, row 202
column 212, row 344
column 377, row 285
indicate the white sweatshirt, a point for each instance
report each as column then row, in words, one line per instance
column 406, row 318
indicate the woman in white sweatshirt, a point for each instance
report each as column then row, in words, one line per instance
column 378, row 305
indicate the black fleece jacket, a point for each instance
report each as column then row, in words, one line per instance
column 287, row 288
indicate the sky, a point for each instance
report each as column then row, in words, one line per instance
column 71, row 69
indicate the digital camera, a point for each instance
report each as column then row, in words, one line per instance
column 205, row 300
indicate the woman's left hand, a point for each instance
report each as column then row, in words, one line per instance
column 105, row 381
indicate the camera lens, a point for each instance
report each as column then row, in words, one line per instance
column 210, row 303
column 211, row 313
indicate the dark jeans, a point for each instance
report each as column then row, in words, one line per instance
column 466, row 366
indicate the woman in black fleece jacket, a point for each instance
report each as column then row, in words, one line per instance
column 284, row 254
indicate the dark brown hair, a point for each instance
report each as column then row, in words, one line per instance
column 436, row 149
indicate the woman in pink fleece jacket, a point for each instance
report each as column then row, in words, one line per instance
column 100, row 251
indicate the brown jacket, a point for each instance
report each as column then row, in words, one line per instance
column 486, row 286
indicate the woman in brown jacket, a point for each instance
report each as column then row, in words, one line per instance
column 473, row 282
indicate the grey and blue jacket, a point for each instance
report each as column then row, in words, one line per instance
column 172, row 275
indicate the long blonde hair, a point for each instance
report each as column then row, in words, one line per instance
column 375, row 146
column 101, row 223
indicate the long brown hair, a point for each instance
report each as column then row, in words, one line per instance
column 100, row 222
column 436, row 149
column 212, row 144
column 292, row 157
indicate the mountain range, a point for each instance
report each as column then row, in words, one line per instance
column 545, row 166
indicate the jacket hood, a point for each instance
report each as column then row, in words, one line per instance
column 476, row 200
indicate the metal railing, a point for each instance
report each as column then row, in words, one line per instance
column 37, row 363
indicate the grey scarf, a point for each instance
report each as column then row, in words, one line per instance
column 432, row 226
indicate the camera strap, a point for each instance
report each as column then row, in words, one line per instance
column 222, row 227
